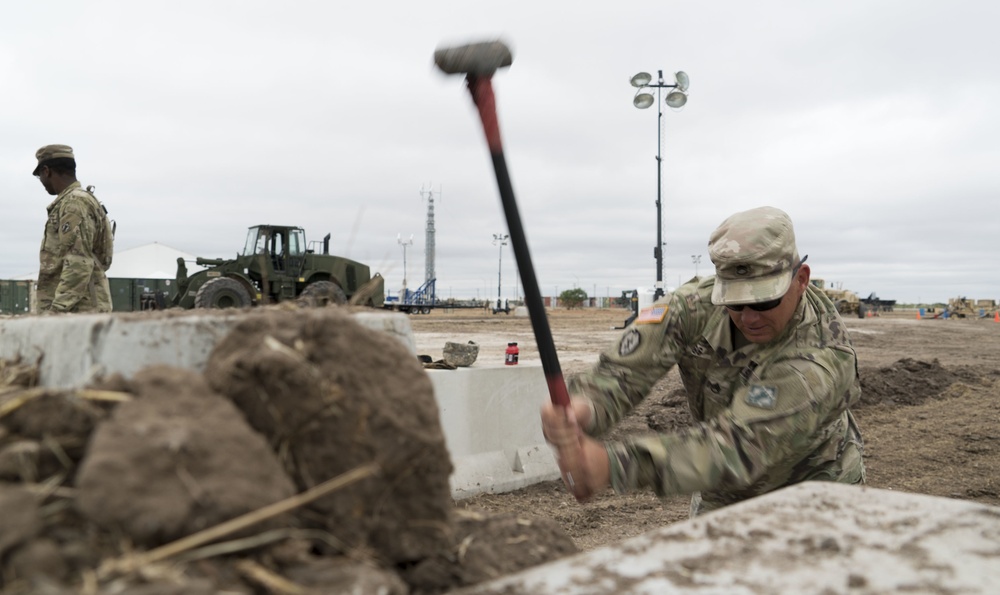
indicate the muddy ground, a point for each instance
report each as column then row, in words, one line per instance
column 289, row 467
column 930, row 414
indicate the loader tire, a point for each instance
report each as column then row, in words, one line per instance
column 322, row 293
column 222, row 292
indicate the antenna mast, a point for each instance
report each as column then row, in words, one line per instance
column 429, row 244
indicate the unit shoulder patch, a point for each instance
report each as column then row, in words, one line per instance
column 651, row 315
column 629, row 343
column 764, row 397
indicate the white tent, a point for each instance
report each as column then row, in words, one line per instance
column 149, row 261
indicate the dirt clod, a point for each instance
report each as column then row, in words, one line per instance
column 331, row 395
column 175, row 460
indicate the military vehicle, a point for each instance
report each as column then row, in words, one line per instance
column 277, row 266
column 962, row 307
column 847, row 302
column 878, row 304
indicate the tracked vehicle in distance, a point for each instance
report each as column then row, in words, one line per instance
column 277, row 266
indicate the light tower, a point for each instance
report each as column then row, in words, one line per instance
column 644, row 99
column 499, row 238
column 404, row 244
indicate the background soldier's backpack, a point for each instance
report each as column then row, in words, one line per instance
column 104, row 243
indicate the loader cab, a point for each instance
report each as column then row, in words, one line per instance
column 284, row 247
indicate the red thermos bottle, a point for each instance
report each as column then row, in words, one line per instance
column 511, row 358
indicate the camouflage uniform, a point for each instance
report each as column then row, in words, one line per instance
column 70, row 278
column 766, row 415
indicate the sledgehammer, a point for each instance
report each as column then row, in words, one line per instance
column 478, row 62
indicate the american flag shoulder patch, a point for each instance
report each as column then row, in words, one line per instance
column 651, row 315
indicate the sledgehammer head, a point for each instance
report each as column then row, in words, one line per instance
column 479, row 59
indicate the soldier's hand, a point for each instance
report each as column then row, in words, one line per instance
column 583, row 461
column 553, row 417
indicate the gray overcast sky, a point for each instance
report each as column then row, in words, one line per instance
column 873, row 124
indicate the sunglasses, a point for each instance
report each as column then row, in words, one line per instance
column 758, row 307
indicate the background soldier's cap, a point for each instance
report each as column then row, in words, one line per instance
column 754, row 254
column 49, row 152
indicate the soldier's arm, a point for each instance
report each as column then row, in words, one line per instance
column 772, row 422
column 626, row 372
column 76, row 239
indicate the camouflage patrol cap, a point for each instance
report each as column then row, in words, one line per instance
column 754, row 254
column 50, row 152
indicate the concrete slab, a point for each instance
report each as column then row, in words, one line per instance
column 489, row 414
column 809, row 538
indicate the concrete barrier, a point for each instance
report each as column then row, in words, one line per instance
column 79, row 347
column 489, row 415
column 809, row 538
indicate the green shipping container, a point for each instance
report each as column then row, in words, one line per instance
column 127, row 295
column 15, row 296
column 132, row 295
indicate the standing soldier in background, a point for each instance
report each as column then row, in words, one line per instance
column 78, row 243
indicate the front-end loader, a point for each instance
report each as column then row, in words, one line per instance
column 276, row 266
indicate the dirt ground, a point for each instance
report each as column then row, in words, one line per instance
column 289, row 467
column 930, row 412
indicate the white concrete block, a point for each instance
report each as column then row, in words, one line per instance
column 490, row 413
column 76, row 348
column 394, row 323
column 490, row 472
column 814, row 537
